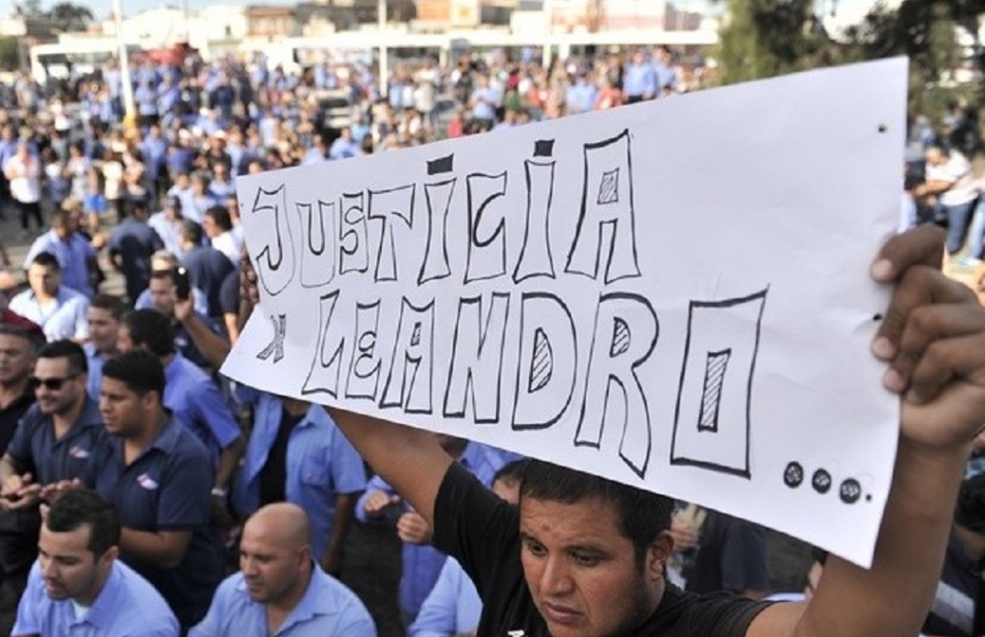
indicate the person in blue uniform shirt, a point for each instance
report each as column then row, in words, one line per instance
column 57, row 437
column 190, row 393
column 104, row 317
column 296, row 454
column 158, row 476
column 280, row 589
column 78, row 586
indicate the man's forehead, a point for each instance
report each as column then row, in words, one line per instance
column 10, row 341
column 115, row 387
column 594, row 507
column 74, row 542
column 52, row 363
column 258, row 541
column 99, row 314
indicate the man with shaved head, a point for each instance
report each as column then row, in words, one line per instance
column 280, row 590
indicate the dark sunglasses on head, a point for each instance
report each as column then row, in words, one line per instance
column 53, row 384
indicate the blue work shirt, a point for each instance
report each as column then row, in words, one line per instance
column 95, row 375
column 64, row 318
column 155, row 151
column 665, row 75
column 194, row 398
column 168, row 230
column 207, row 268
column 146, row 98
column 73, row 256
column 452, row 608
column 321, row 463
column 486, row 100
column 134, row 241
column 640, row 80
column 168, row 487
column 127, row 606
column 344, row 149
column 581, row 96
column 50, row 460
column 220, row 191
column 422, row 563
column 327, row 609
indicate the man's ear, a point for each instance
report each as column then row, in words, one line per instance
column 149, row 399
column 657, row 555
column 304, row 555
column 110, row 555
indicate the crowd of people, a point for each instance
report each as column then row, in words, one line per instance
column 143, row 493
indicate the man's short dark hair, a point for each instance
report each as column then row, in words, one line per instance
column 140, row 371
column 136, row 205
column 112, row 304
column 73, row 352
column 33, row 338
column 60, row 217
column 47, row 260
column 78, row 507
column 642, row 515
column 220, row 216
column 151, row 328
column 191, row 232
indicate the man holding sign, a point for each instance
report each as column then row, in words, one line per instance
column 584, row 556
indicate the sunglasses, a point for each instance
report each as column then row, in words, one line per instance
column 52, row 384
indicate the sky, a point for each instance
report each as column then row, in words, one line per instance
column 847, row 11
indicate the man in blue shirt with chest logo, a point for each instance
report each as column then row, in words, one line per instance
column 159, row 477
column 189, row 393
column 56, row 438
column 77, row 586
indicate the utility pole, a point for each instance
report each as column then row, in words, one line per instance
column 384, row 62
column 129, row 108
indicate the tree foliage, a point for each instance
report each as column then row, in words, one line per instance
column 32, row 8
column 66, row 15
column 927, row 32
column 70, row 16
column 9, row 54
column 763, row 38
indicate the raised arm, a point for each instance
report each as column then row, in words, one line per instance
column 933, row 338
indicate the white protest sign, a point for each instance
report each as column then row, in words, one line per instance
column 673, row 294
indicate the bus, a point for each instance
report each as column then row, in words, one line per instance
column 73, row 58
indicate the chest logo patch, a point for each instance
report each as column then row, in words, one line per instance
column 147, row 482
column 78, row 452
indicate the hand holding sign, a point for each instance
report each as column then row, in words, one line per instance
column 603, row 291
column 932, row 336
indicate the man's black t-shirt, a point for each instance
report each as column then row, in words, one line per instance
column 483, row 533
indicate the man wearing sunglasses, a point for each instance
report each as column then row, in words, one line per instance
column 55, row 438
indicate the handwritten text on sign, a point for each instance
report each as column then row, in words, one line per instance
column 670, row 294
